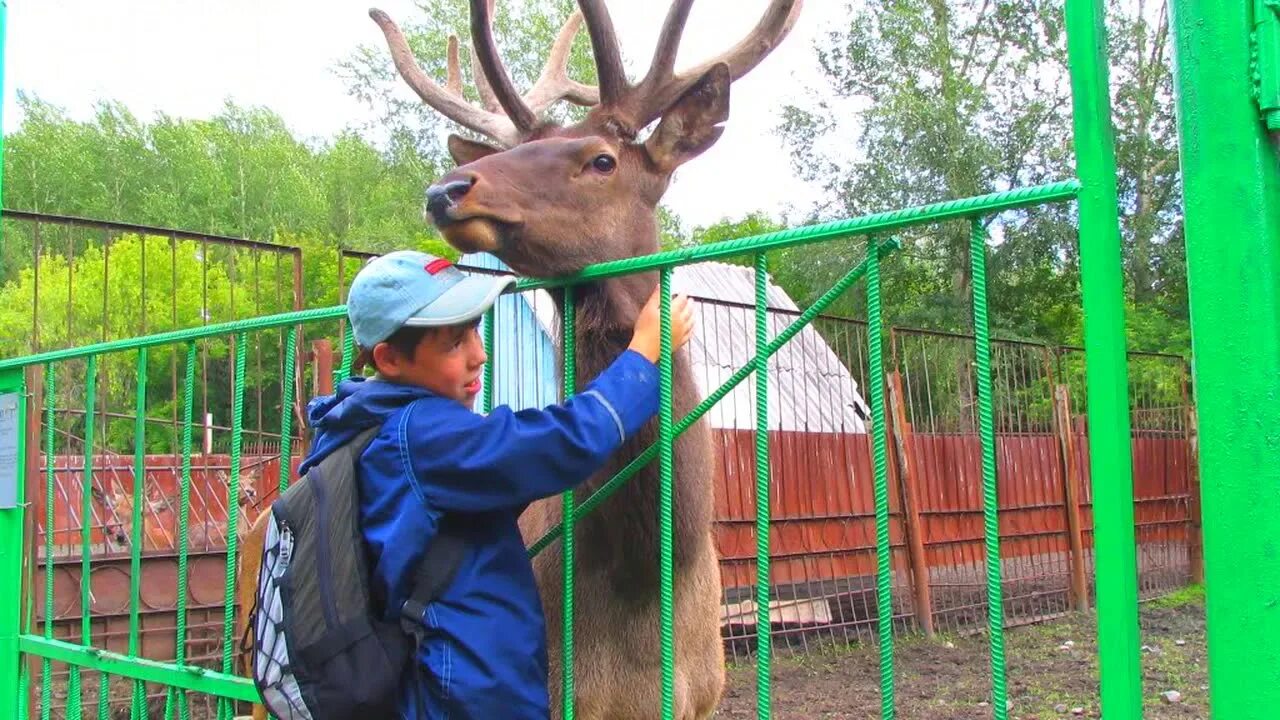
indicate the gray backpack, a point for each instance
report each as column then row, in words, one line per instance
column 321, row 650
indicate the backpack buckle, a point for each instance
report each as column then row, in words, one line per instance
column 412, row 620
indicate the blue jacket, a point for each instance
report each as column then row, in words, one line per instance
column 484, row 655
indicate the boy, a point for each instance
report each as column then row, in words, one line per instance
column 415, row 317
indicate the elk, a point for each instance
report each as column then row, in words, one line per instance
column 550, row 200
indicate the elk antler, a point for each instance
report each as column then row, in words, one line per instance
column 661, row 87
column 505, row 117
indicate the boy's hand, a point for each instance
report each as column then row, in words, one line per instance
column 647, row 339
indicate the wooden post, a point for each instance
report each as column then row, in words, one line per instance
column 910, row 506
column 322, row 376
column 1195, row 536
column 1071, row 495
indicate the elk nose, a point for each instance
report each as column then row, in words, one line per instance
column 442, row 196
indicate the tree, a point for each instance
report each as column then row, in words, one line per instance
column 985, row 108
column 241, row 173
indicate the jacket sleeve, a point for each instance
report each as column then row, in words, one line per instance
column 460, row 461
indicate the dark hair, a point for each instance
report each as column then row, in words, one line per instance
column 405, row 341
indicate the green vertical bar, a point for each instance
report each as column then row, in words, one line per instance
column 184, row 510
column 46, row 669
column 348, row 356
column 1106, row 366
column 86, row 531
column 136, row 536
column 13, row 413
column 879, row 458
column 233, row 511
column 666, row 465
column 487, row 404
column 569, row 333
column 286, row 403
column 764, row 627
column 990, row 497
column 1231, row 193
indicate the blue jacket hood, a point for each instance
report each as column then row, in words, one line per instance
column 358, row 404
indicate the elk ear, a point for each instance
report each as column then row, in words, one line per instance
column 692, row 124
column 466, row 151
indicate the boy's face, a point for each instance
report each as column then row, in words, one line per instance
column 447, row 361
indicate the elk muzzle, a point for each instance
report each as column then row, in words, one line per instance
column 444, row 196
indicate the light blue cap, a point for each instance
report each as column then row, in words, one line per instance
column 407, row 287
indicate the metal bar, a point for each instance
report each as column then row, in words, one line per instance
column 233, row 505
column 666, row 501
column 879, row 460
column 570, row 373
column 179, row 336
column 86, row 527
column 990, row 496
column 13, row 409
column 50, row 387
column 286, row 412
column 35, row 289
column 349, row 351
column 1105, row 359
column 741, row 374
column 764, row 639
column 119, row 227
column 878, row 223
column 193, row 678
column 1231, row 193
column 136, row 535
column 184, row 511
column 487, row 401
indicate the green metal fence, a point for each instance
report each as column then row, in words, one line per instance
column 100, row 681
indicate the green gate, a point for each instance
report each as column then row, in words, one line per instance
column 1234, row 257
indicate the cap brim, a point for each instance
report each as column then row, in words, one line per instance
column 464, row 302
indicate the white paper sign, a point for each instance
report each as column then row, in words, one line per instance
column 9, row 450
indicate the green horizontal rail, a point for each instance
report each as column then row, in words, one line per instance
column 266, row 322
column 877, row 223
column 195, row 679
column 609, row 488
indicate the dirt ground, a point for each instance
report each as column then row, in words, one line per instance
column 1052, row 673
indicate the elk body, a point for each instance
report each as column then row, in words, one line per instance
column 550, row 200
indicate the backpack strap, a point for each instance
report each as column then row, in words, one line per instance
column 356, row 445
column 436, row 570
column 439, row 563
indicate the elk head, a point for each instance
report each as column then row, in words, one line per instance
column 548, row 199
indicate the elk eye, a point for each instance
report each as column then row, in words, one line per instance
column 604, row 163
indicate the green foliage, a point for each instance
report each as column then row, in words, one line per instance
column 241, row 173
column 986, row 107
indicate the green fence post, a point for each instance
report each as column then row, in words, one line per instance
column 13, row 411
column 1106, row 363
column 1231, row 196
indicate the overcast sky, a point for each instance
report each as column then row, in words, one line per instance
column 187, row 58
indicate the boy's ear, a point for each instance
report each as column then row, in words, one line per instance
column 385, row 359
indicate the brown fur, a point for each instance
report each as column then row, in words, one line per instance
column 547, row 207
